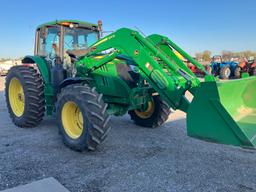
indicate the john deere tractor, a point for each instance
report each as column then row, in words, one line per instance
column 84, row 79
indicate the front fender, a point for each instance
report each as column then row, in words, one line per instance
column 253, row 65
column 71, row 81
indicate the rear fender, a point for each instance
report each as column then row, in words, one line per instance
column 44, row 69
column 42, row 65
column 242, row 64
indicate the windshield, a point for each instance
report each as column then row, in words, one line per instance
column 79, row 38
column 54, row 42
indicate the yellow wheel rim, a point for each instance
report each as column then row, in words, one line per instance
column 148, row 112
column 72, row 120
column 16, row 97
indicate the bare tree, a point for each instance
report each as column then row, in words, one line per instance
column 206, row 56
column 227, row 55
column 199, row 56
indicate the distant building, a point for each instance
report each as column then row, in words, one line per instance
column 11, row 62
column 6, row 65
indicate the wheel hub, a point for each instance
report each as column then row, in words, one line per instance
column 148, row 112
column 72, row 119
column 227, row 73
column 16, row 97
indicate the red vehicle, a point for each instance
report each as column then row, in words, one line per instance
column 246, row 66
column 197, row 71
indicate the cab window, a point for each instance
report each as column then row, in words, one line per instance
column 79, row 38
column 49, row 39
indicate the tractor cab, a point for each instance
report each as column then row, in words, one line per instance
column 217, row 59
column 251, row 60
column 60, row 41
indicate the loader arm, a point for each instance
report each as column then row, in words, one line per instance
column 156, row 62
column 211, row 115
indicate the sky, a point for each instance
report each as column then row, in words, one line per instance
column 195, row 25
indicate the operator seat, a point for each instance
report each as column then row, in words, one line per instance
column 78, row 52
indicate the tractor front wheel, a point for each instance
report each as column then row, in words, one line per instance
column 24, row 91
column 156, row 113
column 237, row 72
column 82, row 117
column 225, row 72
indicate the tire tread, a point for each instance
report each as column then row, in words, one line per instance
column 34, row 94
column 97, row 114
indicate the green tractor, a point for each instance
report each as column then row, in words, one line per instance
column 83, row 79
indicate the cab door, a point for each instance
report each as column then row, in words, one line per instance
column 48, row 42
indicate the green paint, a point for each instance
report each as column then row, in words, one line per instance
column 48, row 89
column 163, row 76
column 222, row 112
column 42, row 66
column 57, row 22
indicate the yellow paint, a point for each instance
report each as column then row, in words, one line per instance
column 72, row 120
column 99, row 57
column 16, row 97
column 179, row 55
column 104, row 40
column 148, row 112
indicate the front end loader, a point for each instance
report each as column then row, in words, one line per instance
column 84, row 79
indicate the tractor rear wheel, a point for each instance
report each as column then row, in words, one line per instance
column 155, row 115
column 24, row 91
column 225, row 72
column 237, row 72
column 82, row 117
column 253, row 71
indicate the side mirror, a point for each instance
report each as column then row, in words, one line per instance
column 100, row 28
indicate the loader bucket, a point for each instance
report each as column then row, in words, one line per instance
column 224, row 112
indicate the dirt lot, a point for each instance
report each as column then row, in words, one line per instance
column 131, row 159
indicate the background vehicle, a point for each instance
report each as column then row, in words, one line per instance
column 84, row 79
column 246, row 66
column 223, row 69
column 197, row 71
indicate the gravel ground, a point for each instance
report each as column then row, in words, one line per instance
column 131, row 159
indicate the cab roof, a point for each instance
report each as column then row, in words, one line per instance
column 62, row 22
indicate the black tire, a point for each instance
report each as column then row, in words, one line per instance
column 160, row 114
column 208, row 69
column 237, row 72
column 34, row 101
column 253, row 71
column 225, row 72
column 94, row 113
